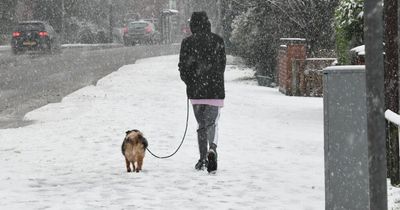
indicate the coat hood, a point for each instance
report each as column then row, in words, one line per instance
column 199, row 22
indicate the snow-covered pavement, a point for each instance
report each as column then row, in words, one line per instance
column 270, row 147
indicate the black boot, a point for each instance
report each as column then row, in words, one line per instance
column 201, row 164
column 212, row 158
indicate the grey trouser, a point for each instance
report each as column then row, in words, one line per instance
column 207, row 133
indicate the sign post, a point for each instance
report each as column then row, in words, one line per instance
column 373, row 37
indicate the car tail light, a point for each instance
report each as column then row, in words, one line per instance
column 125, row 30
column 16, row 34
column 43, row 33
column 148, row 29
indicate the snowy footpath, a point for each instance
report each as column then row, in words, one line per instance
column 270, row 147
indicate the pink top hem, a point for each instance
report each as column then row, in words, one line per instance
column 212, row 102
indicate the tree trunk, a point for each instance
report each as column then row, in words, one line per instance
column 392, row 86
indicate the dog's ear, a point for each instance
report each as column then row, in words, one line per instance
column 130, row 131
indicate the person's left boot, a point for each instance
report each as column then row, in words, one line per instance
column 201, row 164
column 212, row 158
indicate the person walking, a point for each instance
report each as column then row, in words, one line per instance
column 202, row 62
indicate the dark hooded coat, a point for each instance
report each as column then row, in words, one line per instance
column 202, row 60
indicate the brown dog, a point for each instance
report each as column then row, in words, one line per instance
column 134, row 148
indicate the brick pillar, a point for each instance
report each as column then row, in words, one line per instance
column 290, row 50
column 282, row 66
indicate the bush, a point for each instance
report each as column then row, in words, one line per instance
column 256, row 32
column 254, row 41
column 101, row 37
column 349, row 24
column 86, row 36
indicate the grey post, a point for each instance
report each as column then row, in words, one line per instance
column 373, row 30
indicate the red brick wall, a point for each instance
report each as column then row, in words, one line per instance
column 310, row 83
column 285, row 57
column 282, row 66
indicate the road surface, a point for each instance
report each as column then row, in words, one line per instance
column 32, row 80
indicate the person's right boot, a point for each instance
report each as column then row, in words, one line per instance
column 212, row 158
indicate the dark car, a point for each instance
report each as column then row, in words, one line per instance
column 142, row 32
column 34, row 35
